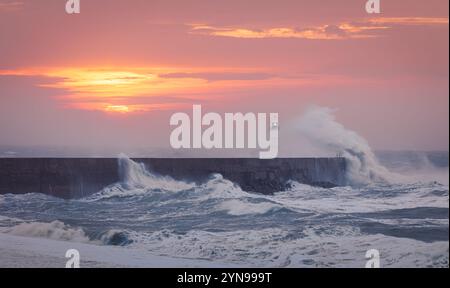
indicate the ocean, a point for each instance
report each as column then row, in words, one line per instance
column 149, row 220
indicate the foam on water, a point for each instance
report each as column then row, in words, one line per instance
column 55, row 230
column 215, row 220
column 238, row 207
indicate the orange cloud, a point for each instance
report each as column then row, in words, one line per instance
column 409, row 21
column 362, row 29
column 325, row 32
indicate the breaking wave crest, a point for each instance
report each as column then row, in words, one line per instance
column 55, row 230
column 136, row 176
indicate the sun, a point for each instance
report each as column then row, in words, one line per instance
column 118, row 109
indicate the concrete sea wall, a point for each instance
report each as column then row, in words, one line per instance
column 78, row 177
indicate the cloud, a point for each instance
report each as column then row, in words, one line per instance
column 325, row 32
column 10, row 6
column 362, row 29
column 409, row 21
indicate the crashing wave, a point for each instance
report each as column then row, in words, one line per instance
column 321, row 127
column 136, row 180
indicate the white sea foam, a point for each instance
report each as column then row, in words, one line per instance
column 238, row 207
column 314, row 247
column 55, row 230
column 371, row 198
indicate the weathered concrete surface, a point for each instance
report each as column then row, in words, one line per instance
column 78, row 177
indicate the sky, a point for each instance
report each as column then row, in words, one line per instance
column 111, row 76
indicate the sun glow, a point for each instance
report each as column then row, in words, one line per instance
column 115, row 90
column 116, row 83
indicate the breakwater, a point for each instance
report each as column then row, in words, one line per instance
column 79, row 177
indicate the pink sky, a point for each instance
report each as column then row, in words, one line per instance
column 113, row 75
